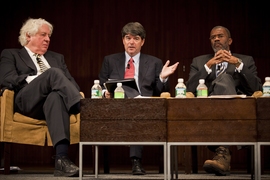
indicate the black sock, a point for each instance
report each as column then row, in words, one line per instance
column 134, row 157
column 75, row 109
column 62, row 148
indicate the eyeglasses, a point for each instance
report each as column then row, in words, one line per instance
column 219, row 36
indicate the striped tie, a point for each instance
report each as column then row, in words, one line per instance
column 40, row 63
column 221, row 69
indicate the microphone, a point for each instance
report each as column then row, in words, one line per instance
column 128, row 66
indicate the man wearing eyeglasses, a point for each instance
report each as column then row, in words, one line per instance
column 225, row 73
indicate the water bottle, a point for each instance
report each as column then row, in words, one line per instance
column 96, row 90
column 202, row 91
column 119, row 92
column 266, row 87
column 180, row 89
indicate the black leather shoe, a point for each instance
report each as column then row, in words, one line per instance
column 137, row 167
column 64, row 167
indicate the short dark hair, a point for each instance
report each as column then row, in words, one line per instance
column 226, row 29
column 135, row 29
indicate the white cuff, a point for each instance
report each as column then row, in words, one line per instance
column 208, row 70
column 240, row 67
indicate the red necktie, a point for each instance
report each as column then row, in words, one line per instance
column 130, row 69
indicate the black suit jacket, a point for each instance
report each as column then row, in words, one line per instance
column 246, row 82
column 16, row 65
column 149, row 83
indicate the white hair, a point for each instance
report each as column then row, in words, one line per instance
column 31, row 27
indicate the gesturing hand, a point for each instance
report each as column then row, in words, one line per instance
column 168, row 70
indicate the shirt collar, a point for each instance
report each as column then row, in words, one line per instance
column 135, row 58
column 31, row 54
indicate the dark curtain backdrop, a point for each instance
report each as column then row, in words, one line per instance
column 87, row 30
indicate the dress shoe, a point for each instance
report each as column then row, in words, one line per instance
column 220, row 165
column 64, row 167
column 137, row 167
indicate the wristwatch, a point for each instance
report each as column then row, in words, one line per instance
column 239, row 61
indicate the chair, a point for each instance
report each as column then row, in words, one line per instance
column 17, row 128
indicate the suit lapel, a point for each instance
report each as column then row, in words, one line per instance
column 120, row 65
column 51, row 59
column 143, row 67
column 27, row 59
column 230, row 69
column 213, row 68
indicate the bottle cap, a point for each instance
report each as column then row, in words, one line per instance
column 201, row 81
column 267, row 78
column 96, row 81
column 180, row 80
column 119, row 84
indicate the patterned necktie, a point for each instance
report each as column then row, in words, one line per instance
column 40, row 63
column 221, row 69
column 130, row 70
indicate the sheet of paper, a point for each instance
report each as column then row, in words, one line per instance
column 228, row 96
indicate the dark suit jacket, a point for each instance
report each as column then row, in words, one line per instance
column 16, row 65
column 113, row 67
column 246, row 82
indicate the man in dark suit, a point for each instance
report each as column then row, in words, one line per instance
column 225, row 73
column 150, row 74
column 43, row 92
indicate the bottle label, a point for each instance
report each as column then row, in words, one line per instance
column 202, row 93
column 180, row 92
column 266, row 91
column 96, row 94
column 119, row 95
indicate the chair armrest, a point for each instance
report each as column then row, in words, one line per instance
column 7, row 110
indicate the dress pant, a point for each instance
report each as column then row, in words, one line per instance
column 50, row 96
column 136, row 150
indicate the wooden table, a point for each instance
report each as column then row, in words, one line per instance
column 211, row 121
column 123, row 122
column 263, row 125
column 176, row 122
